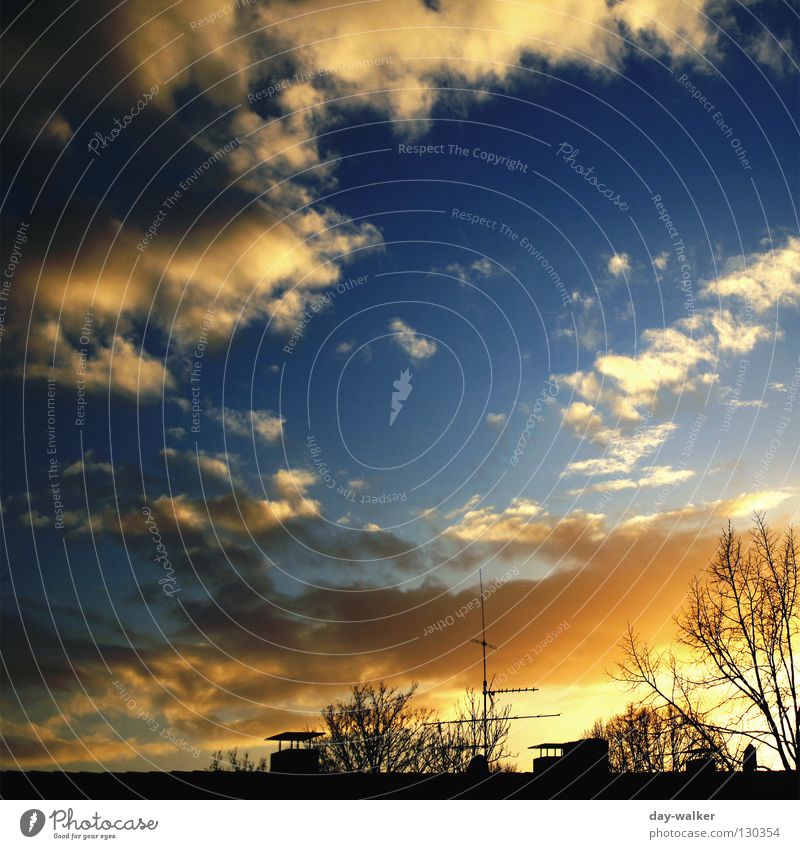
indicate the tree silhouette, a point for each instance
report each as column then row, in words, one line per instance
column 234, row 762
column 740, row 627
column 653, row 739
column 378, row 730
column 375, row 730
column 449, row 746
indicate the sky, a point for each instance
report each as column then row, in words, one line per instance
column 309, row 311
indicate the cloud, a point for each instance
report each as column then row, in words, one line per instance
column 481, row 267
column 290, row 483
column 417, row 347
column 59, row 129
column 265, row 424
column 760, row 279
column 623, row 447
column 739, row 336
column 652, row 477
column 669, row 360
column 742, row 506
column 216, row 684
column 468, row 505
column 88, row 465
column 496, row 419
column 453, row 41
column 773, row 51
column 661, row 261
column 488, row 525
column 623, row 450
column 116, row 364
column 682, row 357
column 619, row 265
column 270, row 258
column 589, row 319
column 584, row 420
column 216, row 465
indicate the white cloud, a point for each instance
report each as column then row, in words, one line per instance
column 417, row 347
column 661, row 261
column 266, row 425
column 623, row 450
column 652, row 477
column 738, row 336
column 470, row 503
column 290, row 483
column 739, row 507
column 495, row 419
column 619, row 264
column 487, row 525
column 761, row 279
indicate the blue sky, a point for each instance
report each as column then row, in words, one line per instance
column 579, row 237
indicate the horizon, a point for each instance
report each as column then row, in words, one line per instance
column 310, row 313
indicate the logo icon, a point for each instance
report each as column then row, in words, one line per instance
column 403, row 389
column 31, row 822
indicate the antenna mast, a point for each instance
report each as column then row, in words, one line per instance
column 485, row 685
column 490, row 693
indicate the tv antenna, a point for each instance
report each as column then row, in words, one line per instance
column 488, row 691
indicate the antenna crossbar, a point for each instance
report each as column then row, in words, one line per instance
column 535, row 716
column 480, row 719
column 514, row 690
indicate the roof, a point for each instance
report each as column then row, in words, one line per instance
column 548, row 746
column 295, row 735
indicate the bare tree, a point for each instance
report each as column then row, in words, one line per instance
column 449, row 746
column 375, row 730
column 741, row 627
column 234, row 762
column 653, row 739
